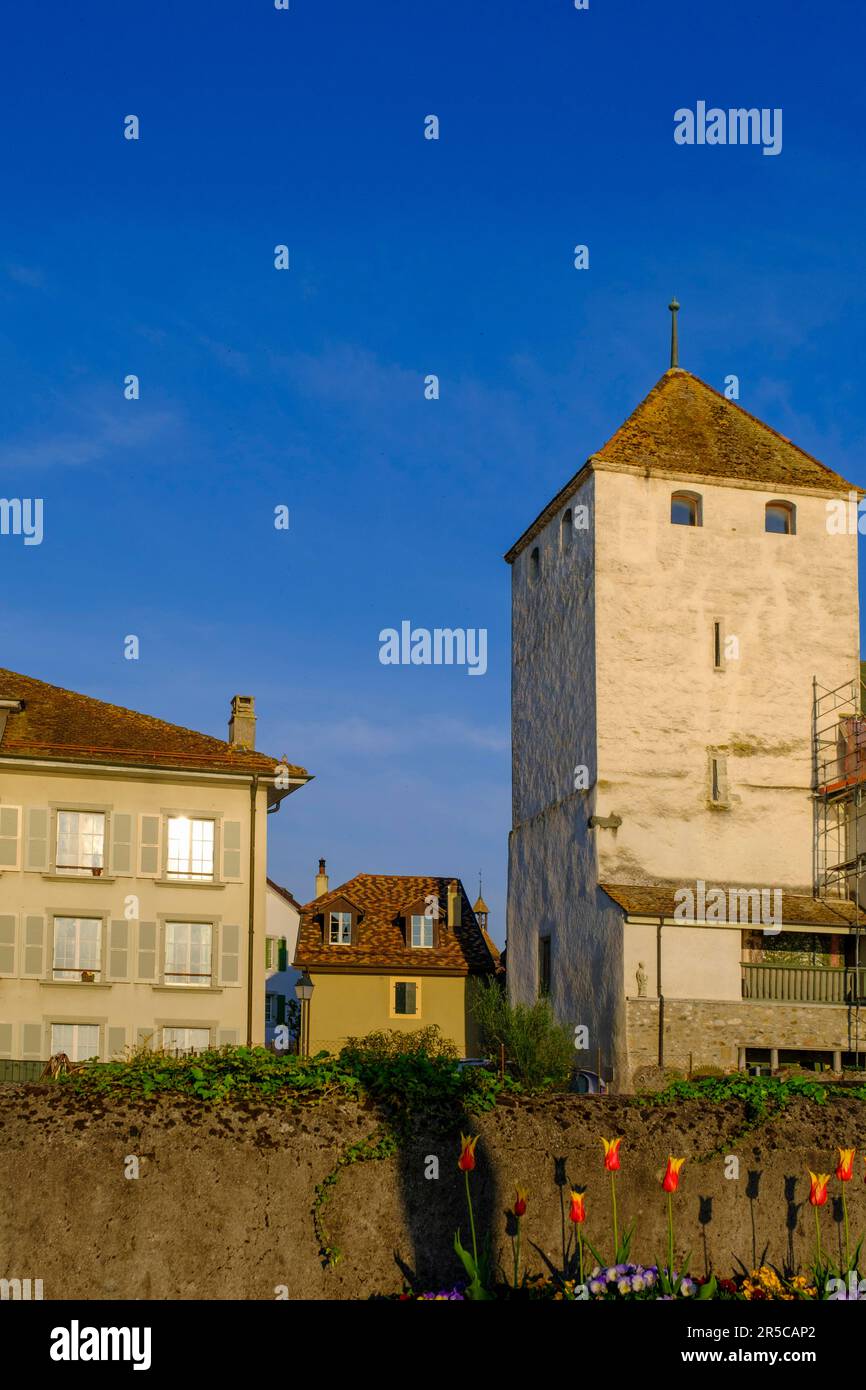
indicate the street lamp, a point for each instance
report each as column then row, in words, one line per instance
column 304, row 990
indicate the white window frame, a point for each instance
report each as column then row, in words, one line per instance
column 427, row 926
column 187, row 874
column 75, row 1054
column 74, row 972
column 188, row 978
column 80, row 870
column 341, row 927
column 186, row 1045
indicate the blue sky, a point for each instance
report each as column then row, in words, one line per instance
column 305, row 387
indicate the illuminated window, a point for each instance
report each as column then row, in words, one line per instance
column 80, row 843
column 190, row 848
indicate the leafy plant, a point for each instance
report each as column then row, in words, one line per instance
column 540, row 1050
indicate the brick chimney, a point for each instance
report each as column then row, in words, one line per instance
column 321, row 880
column 242, row 725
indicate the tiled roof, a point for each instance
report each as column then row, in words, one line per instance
column 797, row 909
column 64, row 726
column 383, row 900
column 686, row 428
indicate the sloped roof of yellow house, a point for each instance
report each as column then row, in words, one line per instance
column 382, row 903
column 62, row 725
column 686, row 429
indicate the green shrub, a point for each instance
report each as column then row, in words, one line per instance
column 393, row 1042
column 540, row 1050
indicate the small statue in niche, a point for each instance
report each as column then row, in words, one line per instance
column 641, row 980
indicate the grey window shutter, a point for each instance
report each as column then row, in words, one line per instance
column 7, row 945
column 147, row 952
column 231, row 834
column 228, row 1037
column 10, row 824
column 31, row 1042
column 230, row 953
column 118, row 950
column 34, row 948
column 116, row 1042
column 36, row 851
column 148, row 849
column 283, row 957
column 5, row 1039
column 121, row 844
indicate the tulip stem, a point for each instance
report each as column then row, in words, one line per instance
column 847, row 1235
column 818, row 1239
column 580, row 1248
column 471, row 1220
column 615, row 1227
column 670, row 1235
column 516, row 1248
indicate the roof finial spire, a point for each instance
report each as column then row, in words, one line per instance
column 675, row 352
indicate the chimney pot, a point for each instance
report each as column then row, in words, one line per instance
column 242, row 725
column 321, row 880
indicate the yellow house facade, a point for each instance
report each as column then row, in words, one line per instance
column 390, row 952
column 133, row 875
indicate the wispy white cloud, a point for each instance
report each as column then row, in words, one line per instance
column 96, row 435
column 27, row 275
column 356, row 735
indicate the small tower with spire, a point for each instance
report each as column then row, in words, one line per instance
column 481, row 909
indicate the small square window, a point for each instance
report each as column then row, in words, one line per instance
column 405, row 997
column 340, row 929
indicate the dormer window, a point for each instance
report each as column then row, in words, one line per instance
column 422, row 931
column 686, row 509
column 340, row 928
column 780, row 517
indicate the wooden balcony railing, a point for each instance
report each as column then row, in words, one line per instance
column 805, row 984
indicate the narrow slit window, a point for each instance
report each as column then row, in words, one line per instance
column 534, row 565
column 717, row 646
column 566, row 529
column 715, row 781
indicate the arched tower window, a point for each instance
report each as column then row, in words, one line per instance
column 566, row 530
column 534, row 565
column 780, row 517
column 686, row 509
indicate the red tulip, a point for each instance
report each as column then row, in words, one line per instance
column 466, row 1161
column 818, row 1189
column 845, row 1170
column 611, row 1154
column 577, row 1210
column 671, row 1179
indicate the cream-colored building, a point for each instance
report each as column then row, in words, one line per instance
column 390, row 952
column 132, row 876
column 671, row 606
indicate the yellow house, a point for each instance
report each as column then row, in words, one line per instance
column 390, row 951
column 132, row 876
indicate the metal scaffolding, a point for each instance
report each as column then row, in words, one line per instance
column 839, row 768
